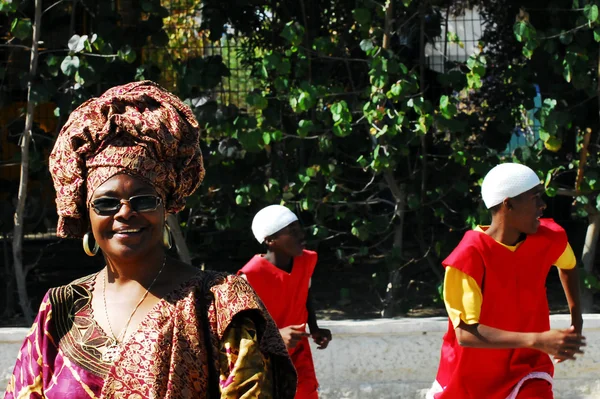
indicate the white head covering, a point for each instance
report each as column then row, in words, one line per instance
column 507, row 180
column 270, row 220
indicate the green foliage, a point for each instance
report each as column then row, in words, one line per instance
column 358, row 143
column 589, row 281
column 21, row 28
column 567, row 46
column 382, row 164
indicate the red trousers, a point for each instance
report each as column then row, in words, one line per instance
column 307, row 379
column 536, row 389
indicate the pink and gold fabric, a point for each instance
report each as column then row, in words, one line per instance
column 210, row 338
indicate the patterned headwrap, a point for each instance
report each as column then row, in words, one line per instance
column 138, row 129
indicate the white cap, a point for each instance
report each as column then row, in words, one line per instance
column 507, row 180
column 270, row 220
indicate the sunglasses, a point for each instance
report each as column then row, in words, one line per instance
column 107, row 206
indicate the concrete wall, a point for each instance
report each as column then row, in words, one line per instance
column 392, row 358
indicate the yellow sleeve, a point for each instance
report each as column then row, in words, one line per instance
column 462, row 297
column 567, row 259
column 245, row 371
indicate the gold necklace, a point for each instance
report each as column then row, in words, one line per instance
column 113, row 350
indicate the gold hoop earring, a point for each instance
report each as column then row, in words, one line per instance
column 86, row 245
column 167, row 242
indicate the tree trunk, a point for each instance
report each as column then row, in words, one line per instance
column 390, row 302
column 20, row 270
column 179, row 239
column 588, row 256
column 395, row 276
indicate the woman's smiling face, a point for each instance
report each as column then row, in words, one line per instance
column 126, row 234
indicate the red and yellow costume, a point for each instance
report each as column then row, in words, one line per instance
column 502, row 287
column 284, row 295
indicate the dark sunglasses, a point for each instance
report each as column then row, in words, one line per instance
column 107, row 206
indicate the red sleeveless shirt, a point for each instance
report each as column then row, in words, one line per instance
column 513, row 286
column 284, row 294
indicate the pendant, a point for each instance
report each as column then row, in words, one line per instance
column 111, row 353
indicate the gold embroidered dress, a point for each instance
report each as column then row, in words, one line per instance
column 210, row 338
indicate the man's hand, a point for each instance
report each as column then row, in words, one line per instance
column 321, row 336
column 577, row 323
column 560, row 344
column 292, row 334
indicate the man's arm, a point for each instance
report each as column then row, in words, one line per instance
column 570, row 282
column 561, row 344
column 321, row 336
column 312, row 316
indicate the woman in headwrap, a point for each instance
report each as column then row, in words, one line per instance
column 146, row 325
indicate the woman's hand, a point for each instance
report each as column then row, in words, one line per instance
column 560, row 344
column 292, row 334
column 321, row 336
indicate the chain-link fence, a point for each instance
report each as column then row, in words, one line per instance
column 459, row 39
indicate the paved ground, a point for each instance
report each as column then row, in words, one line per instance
column 393, row 358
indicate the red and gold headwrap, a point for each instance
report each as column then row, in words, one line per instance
column 138, row 129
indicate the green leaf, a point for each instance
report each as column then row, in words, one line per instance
column 362, row 16
column 452, row 37
column 566, row 38
column 305, row 204
column 597, row 34
column 444, row 101
column 53, row 65
column 271, row 61
column 8, row 6
column 293, row 32
column 277, row 135
column 521, row 30
column 591, row 282
column 242, row 200
column 285, row 67
column 413, row 201
column 281, row 83
column 21, row 28
column 251, row 140
column 567, row 71
column 474, row 81
column 77, row 43
column 360, row 232
column 267, row 137
column 366, row 45
column 395, row 90
column 127, row 54
column 591, row 12
column 342, row 118
column 70, row 65
column 305, row 127
column 257, row 101
column 303, row 178
column 139, row 73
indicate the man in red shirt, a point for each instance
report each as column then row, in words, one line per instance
column 499, row 342
column 281, row 278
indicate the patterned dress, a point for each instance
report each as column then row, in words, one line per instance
column 209, row 338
